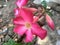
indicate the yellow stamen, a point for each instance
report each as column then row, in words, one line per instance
column 27, row 25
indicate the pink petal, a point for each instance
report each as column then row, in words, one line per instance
column 35, row 19
column 37, row 30
column 31, row 9
column 20, row 30
column 21, row 3
column 29, row 36
column 16, row 12
column 26, row 14
column 50, row 22
column 18, row 20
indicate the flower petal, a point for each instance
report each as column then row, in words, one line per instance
column 29, row 36
column 50, row 22
column 37, row 30
column 26, row 14
column 18, row 20
column 21, row 3
column 35, row 19
column 31, row 9
column 20, row 30
column 16, row 11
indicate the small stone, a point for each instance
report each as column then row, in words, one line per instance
column 0, row 30
column 4, row 5
column 10, row 25
column 1, row 36
column 48, row 7
column 10, row 32
column 1, row 6
column 42, row 42
column 6, row 0
column 58, row 42
column 57, row 28
column 0, row 40
column 1, row 20
column 1, row 43
column 4, row 28
column 58, row 31
column 7, row 38
column 15, row 39
column 37, row 1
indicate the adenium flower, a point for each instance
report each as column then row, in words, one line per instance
column 21, row 3
column 49, row 21
column 24, row 24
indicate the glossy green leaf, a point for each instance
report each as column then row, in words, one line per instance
column 44, row 4
column 49, row 13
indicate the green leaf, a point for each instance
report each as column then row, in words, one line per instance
column 11, row 42
column 44, row 4
column 30, row 43
column 5, row 44
column 18, row 43
column 49, row 13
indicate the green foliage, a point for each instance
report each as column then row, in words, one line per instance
column 49, row 13
column 5, row 44
column 18, row 44
column 30, row 43
column 44, row 4
column 11, row 42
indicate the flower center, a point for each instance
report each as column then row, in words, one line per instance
column 28, row 25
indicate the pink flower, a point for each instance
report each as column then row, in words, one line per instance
column 21, row 3
column 50, row 22
column 24, row 25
